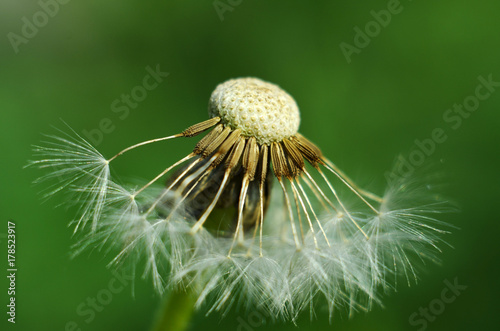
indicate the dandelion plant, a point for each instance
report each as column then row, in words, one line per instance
column 254, row 215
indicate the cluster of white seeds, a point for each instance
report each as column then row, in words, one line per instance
column 258, row 108
column 344, row 255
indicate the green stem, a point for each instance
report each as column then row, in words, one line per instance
column 176, row 311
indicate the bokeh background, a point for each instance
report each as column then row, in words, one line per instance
column 362, row 112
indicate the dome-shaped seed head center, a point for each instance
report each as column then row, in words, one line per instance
column 258, row 108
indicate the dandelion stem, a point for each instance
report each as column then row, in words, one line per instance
column 176, row 311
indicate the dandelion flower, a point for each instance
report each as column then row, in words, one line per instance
column 254, row 215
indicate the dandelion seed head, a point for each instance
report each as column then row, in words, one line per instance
column 255, row 215
column 258, row 108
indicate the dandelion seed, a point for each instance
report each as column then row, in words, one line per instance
column 79, row 167
column 217, row 228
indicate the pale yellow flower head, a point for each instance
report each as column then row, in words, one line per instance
column 258, row 108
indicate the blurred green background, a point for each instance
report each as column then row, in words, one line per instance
column 362, row 113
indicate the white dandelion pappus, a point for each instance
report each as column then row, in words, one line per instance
column 217, row 228
column 76, row 166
